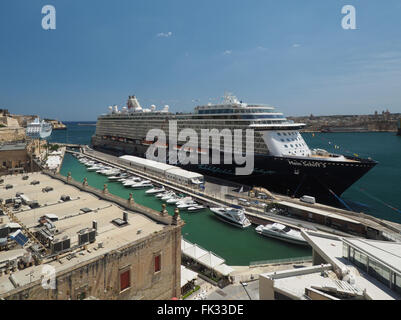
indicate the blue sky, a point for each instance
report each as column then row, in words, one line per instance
column 290, row 54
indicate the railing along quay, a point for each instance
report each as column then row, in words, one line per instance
column 105, row 195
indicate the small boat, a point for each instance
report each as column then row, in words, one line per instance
column 173, row 199
column 281, row 232
column 196, row 208
column 155, row 190
column 131, row 181
column 186, row 205
column 95, row 167
column 112, row 172
column 233, row 216
column 142, row 184
column 185, row 200
column 117, row 176
column 161, row 195
column 168, row 196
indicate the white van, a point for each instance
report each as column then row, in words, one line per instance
column 308, row 199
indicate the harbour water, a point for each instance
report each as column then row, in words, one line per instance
column 377, row 193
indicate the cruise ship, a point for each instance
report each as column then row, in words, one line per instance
column 39, row 129
column 283, row 162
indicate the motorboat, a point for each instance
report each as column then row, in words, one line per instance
column 131, row 181
column 281, row 232
column 186, row 205
column 174, row 199
column 102, row 171
column 161, row 195
column 196, row 208
column 117, row 176
column 95, row 167
column 112, row 172
column 168, row 196
column 185, row 200
column 142, row 184
column 155, row 190
column 233, row 216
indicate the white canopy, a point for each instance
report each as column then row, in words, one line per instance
column 195, row 252
column 204, row 257
column 187, row 276
column 210, row 260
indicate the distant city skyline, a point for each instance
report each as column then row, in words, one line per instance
column 293, row 55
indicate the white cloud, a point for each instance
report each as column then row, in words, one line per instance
column 227, row 52
column 165, row 35
column 296, row 45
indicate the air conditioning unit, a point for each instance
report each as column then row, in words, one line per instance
column 56, row 246
column 86, row 235
column 92, row 235
column 66, row 243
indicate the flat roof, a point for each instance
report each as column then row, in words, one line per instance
column 71, row 220
column 318, row 211
column 295, row 281
column 13, row 147
column 388, row 253
column 185, row 173
column 330, row 248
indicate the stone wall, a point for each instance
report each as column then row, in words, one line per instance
column 12, row 134
column 12, row 159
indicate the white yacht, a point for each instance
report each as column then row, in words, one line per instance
column 112, row 172
column 185, row 203
column 163, row 194
column 232, row 216
column 185, row 206
column 142, row 184
column 95, row 167
column 281, row 232
column 173, row 200
column 196, row 208
column 168, row 196
column 117, row 176
column 156, row 190
column 131, row 181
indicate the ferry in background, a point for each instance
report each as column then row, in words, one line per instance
column 283, row 162
column 39, row 129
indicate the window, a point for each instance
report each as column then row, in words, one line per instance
column 157, row 263
column 125, row 280
column 379, row 272
column 397, row 283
